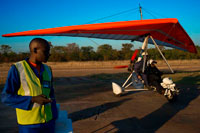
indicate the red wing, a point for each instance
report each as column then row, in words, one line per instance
column 166, row 32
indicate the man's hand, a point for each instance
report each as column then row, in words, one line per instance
column 41, row 99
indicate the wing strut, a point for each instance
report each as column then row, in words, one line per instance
column 144, row 48
column 162, row 54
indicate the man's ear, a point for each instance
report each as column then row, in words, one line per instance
column 35, row 50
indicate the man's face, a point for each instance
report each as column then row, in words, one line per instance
column 43, row 53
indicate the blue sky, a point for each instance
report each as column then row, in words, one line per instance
column 23, row 15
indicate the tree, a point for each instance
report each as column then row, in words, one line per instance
column 58, row 53
column 73, row 51
column 71, row 47
column 105, row 52
column 58, row 49
column 86, row 53
column 126, row 50
column 126, row 47
column 5, row 49
column 117, row 55
column 7, row 55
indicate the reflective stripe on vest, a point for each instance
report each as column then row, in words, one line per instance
column 32, row 86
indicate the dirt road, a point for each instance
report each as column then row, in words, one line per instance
column 94, row 109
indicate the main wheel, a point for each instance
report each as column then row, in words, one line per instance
column 171, row 97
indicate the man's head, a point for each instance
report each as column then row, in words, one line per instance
column 39, row 50
column 145, row 55
column 152, row 62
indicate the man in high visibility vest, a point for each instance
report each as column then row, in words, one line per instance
column 29, row 89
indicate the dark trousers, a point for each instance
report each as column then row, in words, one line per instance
column 155, row 80
column 144, row 77
column 41, row 128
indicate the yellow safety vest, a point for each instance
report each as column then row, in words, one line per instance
column 32, row 86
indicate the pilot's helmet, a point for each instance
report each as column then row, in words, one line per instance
column 144, row 53
column 151, row 61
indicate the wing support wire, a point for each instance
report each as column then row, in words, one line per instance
column 161, row 54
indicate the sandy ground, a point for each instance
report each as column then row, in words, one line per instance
column 94, row 109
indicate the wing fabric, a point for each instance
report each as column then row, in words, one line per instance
column 166, row 32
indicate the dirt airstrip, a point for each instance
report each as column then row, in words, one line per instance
column 85, row 91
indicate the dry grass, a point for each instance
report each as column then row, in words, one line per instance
column 104, row 64
column 109, row 64
column 87, row 64
column 67, row 69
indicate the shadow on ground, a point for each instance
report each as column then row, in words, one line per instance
column 95, row 111
column 74, row 87
column 67, row 88
column 155, row 120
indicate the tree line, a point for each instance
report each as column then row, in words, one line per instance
column 105, row 52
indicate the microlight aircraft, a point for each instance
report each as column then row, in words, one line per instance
column 166, row 32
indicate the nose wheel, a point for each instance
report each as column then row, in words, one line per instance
column 117, row 90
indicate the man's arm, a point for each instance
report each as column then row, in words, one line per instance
column 11, row 98
column 9, row 94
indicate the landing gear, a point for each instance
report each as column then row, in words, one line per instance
column 138, row 85
column 171, row 92
column 171, row 96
